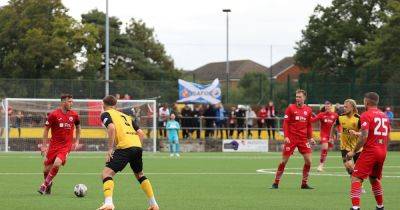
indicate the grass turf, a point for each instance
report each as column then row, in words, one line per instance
column 194, row 181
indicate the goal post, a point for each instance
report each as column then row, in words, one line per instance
column 24, row 118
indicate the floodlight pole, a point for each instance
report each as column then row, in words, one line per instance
column 107, row 73
column 227, row 11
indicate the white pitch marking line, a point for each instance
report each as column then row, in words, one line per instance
column 273, row 171
column 165, row 173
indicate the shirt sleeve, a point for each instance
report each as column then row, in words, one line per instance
column 135, row 126
column 309, row 126
column 106, row 119
column 315, row 118
column 50, row 120
column 77, row 120
column 364, row 121
column 286, row 120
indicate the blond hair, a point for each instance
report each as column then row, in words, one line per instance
column 353, row 103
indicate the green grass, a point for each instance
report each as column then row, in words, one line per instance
column 195, row 181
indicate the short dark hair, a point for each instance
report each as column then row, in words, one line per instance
column 373, row 98
column 65, row 96
column 301, row 91
column 110, row 100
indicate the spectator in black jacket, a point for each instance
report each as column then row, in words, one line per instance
column 209, row 115
column 186, row 121
column 197, row 114
column 240, row 119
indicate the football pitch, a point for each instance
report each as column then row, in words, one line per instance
column 194, row 181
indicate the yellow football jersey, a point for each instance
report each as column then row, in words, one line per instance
column 348, row 142
column 125, row 129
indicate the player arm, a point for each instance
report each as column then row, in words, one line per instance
column 363, row 124
column 139, row 131
column 315, row 118
column 309, row 128
column 108, row 123
column 78, row 131
column 45, row 139
column 286, row 123
column 361, row 141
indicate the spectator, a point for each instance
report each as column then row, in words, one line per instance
column 389, row 114
column 232, row 121
column 172, row 128
column 209, row 115
column 163, row 114
column 250, row 116
column 126, row 97
column 18, row 122
column 221, row 120
column 186, row 121
column 339, row 109
column 240, row 119
column 262, row 115
column 270, row 122
column 117, row 96
column 197, row 114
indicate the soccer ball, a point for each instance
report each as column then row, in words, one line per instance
column 80, row 190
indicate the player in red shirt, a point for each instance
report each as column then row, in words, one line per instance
column 374, row 137
column 298, row 133
column 327, row 119
column 61, row 122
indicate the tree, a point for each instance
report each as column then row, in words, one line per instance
column 380, row 58
column 36, row 40
column 333, row 33
column 253, row 88
column 134, row 55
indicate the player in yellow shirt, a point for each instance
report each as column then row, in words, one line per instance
column 348, row 124
column 126, row 137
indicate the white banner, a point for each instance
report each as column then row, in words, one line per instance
column 244, row 145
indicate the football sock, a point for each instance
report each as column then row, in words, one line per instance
column 378, row 192
column 306, row 171
column 147, row 189
column 52, row 173
column 45, row 173
column 355, row 193
column 108, row 188
column 279, row 172
column 324, row 153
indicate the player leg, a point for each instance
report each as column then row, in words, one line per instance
column 286, row 153
column 324, row 154
column 375, row 180
column 45, row 188
column 362, row 170
column 171, row 147
column 306, row 151
column 177, row 147
column 117, row 163
column 136, row 164
column 348, row 164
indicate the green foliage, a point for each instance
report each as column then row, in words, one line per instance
column 39, row 40
column 36, row 40
column 334, row 32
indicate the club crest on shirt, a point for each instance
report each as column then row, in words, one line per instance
column 71, row 119
column 305, row 113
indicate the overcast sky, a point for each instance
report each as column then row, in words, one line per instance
column 194, row 32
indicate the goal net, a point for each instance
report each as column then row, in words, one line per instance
column 22, row 121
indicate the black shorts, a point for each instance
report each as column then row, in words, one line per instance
column 344, row 153
column 121, row 157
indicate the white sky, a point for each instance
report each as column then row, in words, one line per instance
column 194, row 32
